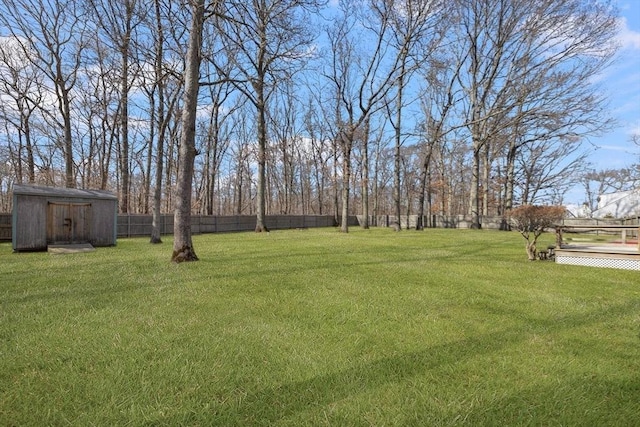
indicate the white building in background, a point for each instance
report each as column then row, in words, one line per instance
column 622, row 204
column 578, row 211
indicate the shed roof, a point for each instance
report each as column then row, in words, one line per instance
column 37, row 190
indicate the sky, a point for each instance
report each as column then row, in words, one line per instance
column 614, row 149
column 622, row 82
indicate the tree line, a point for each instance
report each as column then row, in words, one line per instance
column 303, row 106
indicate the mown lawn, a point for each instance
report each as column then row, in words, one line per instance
column 314, row 327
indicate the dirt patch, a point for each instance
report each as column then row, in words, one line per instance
column 70, row 249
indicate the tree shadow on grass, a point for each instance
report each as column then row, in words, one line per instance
column 281, row 403
column 588, row 400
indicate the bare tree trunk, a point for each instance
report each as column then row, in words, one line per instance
column 509, row 184
column 65, row 108
column 262, row 160
column 365, row 175
column 474, row 191
column 486, row 176
column 124, row 129
column 157, row 193
column 375, row 189
column 397, row 156
column 182, row 245
column 31, row 169
column 336, row 204
column 149, row 163
column 162, row 126
column 346, row 184
column 424, row 175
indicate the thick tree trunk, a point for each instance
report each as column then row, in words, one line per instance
column 486, row 177
column 509, row 186
column 70, row 181
column 421, row 197
column 474, row 191
column 398, row 140
column 162, row 129
column 365, row 176
column 262, row 160
column 336, row 199
column 31, row 168
column 124, row 131
column 157, row 192
column 531, row 250
column 183, row 249
column 346, row 184
column 396, row 178
column 157, row 199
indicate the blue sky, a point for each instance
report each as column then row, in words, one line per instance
column 622, row 81
column 614, row 150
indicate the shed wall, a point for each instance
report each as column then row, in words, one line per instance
column 29, row 223
column 104, row 222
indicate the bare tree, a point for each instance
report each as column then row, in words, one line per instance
column 183, row 249
column 417, row 27
column 117, row 23
column 364, row 136
column 487, row 30
column 164, row 94
column 20, row 83
column 361, row 79
column 286, row 131
column 98, row 111
column 320, row 149
column 52, row 35
column 216, row 136
column 437, row 104
column 635, row 138
column 555, row 102
column 266, row 39
column 242, row 156
column 526, row 66
column 547, row 170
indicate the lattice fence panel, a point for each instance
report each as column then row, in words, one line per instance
column 626, row 264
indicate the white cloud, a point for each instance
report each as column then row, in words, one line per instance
column 628, row 38
column 613, row 148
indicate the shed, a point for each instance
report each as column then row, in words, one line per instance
column 44, row 216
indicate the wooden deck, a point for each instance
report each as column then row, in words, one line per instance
column 624, row 231
column 623, row 256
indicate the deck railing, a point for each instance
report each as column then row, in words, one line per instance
column 626, row 231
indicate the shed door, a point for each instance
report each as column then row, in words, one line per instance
column 68, row 223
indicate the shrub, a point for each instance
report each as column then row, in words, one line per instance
column 531, row 221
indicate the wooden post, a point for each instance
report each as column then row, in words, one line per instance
column 558, row 237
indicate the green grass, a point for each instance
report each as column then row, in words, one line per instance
column 314, row 327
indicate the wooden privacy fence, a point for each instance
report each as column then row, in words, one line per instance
column 436, row 221
column 487, row 222
column 5, row 227
column 140, row 225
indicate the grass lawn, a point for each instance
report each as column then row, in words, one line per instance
column 315, row 327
